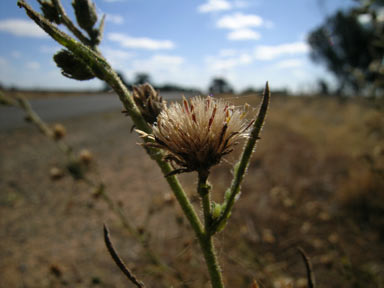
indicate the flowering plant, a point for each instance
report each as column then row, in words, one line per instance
column 186, row 137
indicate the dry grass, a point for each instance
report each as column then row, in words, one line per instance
column 316, row 181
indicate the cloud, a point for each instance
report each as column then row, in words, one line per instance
column 33, row 65
column 158, row 62
column 118, row 57
column 239, row 21
column 289, row 63
column 227, row 61
column 243, row 34
column 272, row 52
column 114, row 18
column 140, row 43
column 214, row 5
column 21, row 27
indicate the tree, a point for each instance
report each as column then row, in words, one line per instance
column 350, row 48
column 141, row 78
column 220, row 86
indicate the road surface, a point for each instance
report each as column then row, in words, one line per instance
column 55, row 109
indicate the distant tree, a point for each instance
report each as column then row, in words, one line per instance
column 220, row 86
column 141, row 78
column 323, row 87
column 350, row 48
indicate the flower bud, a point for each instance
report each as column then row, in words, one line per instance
column 149, row 102
column 49, row 11
column 56, row 173
column 72, row 66
column 59, row 131
column 216, row 210
column 86, row 14
column 85, row 156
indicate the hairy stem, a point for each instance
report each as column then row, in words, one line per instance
column 206, row 241
column 207, row 246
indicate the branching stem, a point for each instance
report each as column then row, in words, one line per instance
column 241, row 167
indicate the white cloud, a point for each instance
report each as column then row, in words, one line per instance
column 33, row 65
column 289, row 63
column 21, row 27
column 221, row 63
column 114, row 18
column 117, row 57
column 239, row 21
column 140, row 43
column 227, row 52
column 272, row 52
column 243, row 34
column 117, row 54
column 158, row 62
column 214, row 5
column 162, row 67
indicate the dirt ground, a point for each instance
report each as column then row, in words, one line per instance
column 316, row 181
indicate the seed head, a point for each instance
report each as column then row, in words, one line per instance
column 85, row 157
column 198, row 133
column 59, row 131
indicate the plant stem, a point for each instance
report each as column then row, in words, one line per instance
column 203, row 189
column 206, row 240
column 208, row 248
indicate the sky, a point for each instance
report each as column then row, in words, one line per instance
column 184, row 42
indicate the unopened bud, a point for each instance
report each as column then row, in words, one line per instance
column 49, row 11
column 56, row 173
column 216, row 210
column 149, row 102
column 59, row 131
column 86, row 14
column 72, row 66
column 85, row 156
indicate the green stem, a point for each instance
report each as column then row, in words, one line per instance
column 207, row 246
column 241, row 166
column 203, row 189
column 205, row 240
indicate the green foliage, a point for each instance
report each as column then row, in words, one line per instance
column 350, row 48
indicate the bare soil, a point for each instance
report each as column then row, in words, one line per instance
column 315, row 182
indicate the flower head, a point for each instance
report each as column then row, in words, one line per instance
column 197, row 133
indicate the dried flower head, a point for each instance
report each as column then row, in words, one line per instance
column 85, row 156
column 59, row 131
column 198, row 133
column 149, row 101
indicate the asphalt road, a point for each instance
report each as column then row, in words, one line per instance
column 55, row 109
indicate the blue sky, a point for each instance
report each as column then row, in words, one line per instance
column 185, row 42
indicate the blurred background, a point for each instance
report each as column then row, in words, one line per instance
column 315, row 181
